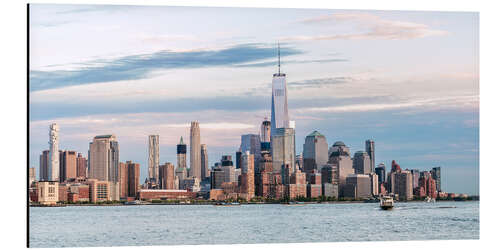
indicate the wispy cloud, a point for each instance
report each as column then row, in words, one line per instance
column 370, row 27
column 135, row 67
column 455, row 102
column 319, row 82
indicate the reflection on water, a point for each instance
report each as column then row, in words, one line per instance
column 206, row 224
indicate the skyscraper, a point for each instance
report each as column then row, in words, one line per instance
column 340, row 156
column 315, row 153
column 251, row 143
column 436, row 175
column 205, row 172
column 402, row 184
column 195, row 151
column 362, row 163
column 283, row 148
column 167, row 176
column 44, row 166
column 32, row 175
column 380, row 171
column 247, row 176
column 279, row 102
column 67, row 165
column 265, row 131
column 370, row 149
column 81, row 166
column 181, row 170
column 104, row 158
column 153, row 157
column 53, row 166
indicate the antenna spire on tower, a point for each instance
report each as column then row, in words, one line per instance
column 279, row 59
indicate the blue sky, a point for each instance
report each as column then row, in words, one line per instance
column 407, row 79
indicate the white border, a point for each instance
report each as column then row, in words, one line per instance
column 13, row 98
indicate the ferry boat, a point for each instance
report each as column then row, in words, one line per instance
column 386, row 202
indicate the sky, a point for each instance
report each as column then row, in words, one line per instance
column 409, row 80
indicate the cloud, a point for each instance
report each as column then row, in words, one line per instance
column 370, row 27
column 136, row 67
column 319, row 82
column 273, row 63
column 452, row 102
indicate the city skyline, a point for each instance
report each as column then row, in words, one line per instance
column 362, row 105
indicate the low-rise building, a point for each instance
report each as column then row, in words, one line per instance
column 48, row 192
column 165, row 194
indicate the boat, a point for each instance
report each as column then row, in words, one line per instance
column 386, row 202
column 429, row 199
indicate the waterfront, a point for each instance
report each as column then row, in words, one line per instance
column 81, row 226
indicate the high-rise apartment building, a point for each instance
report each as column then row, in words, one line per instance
column 44, row 165
column 67, row 165
column 315, row 152
column 195, row 151
column 283, row 149
column 247, row 175
column 129, row 179
column 205, row 171
column 415, row 176
column 370, row 149
column 362, row 163
column 279, row 101
column 53, row 166
column 81, row 166
column 153, row 157
column 167, row 176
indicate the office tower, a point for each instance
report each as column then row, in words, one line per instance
column 167, row 176
column 329, row 174
column 415, row 176
column 374, row 183
column 265, row 136
column 402, row 184
column 247, row 175
column 153, row 157
column 251, row 142
column 265, row 131
column 195, row 151
column 205, row 172
column 340, row 156
column 104, row 158
column 67, row 165
column 370, row 149
column 238, row 158
column 228, row 168
column 358, row 186
column 380, row 171
column 283, row 148
column 279, row 101
column 53, row 167
column 216, row 177
column 181, row 170
column 315, row 152
column 104, row 163
column 362, row 163
column 436, row 175
column 44, row 165
column 32, row 176
column 99, row 190
column 123, row 180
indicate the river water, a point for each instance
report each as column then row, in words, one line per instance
column 84, row 226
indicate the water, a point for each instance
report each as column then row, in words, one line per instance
column 269, row 223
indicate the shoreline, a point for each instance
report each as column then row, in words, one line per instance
column 214, row 203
